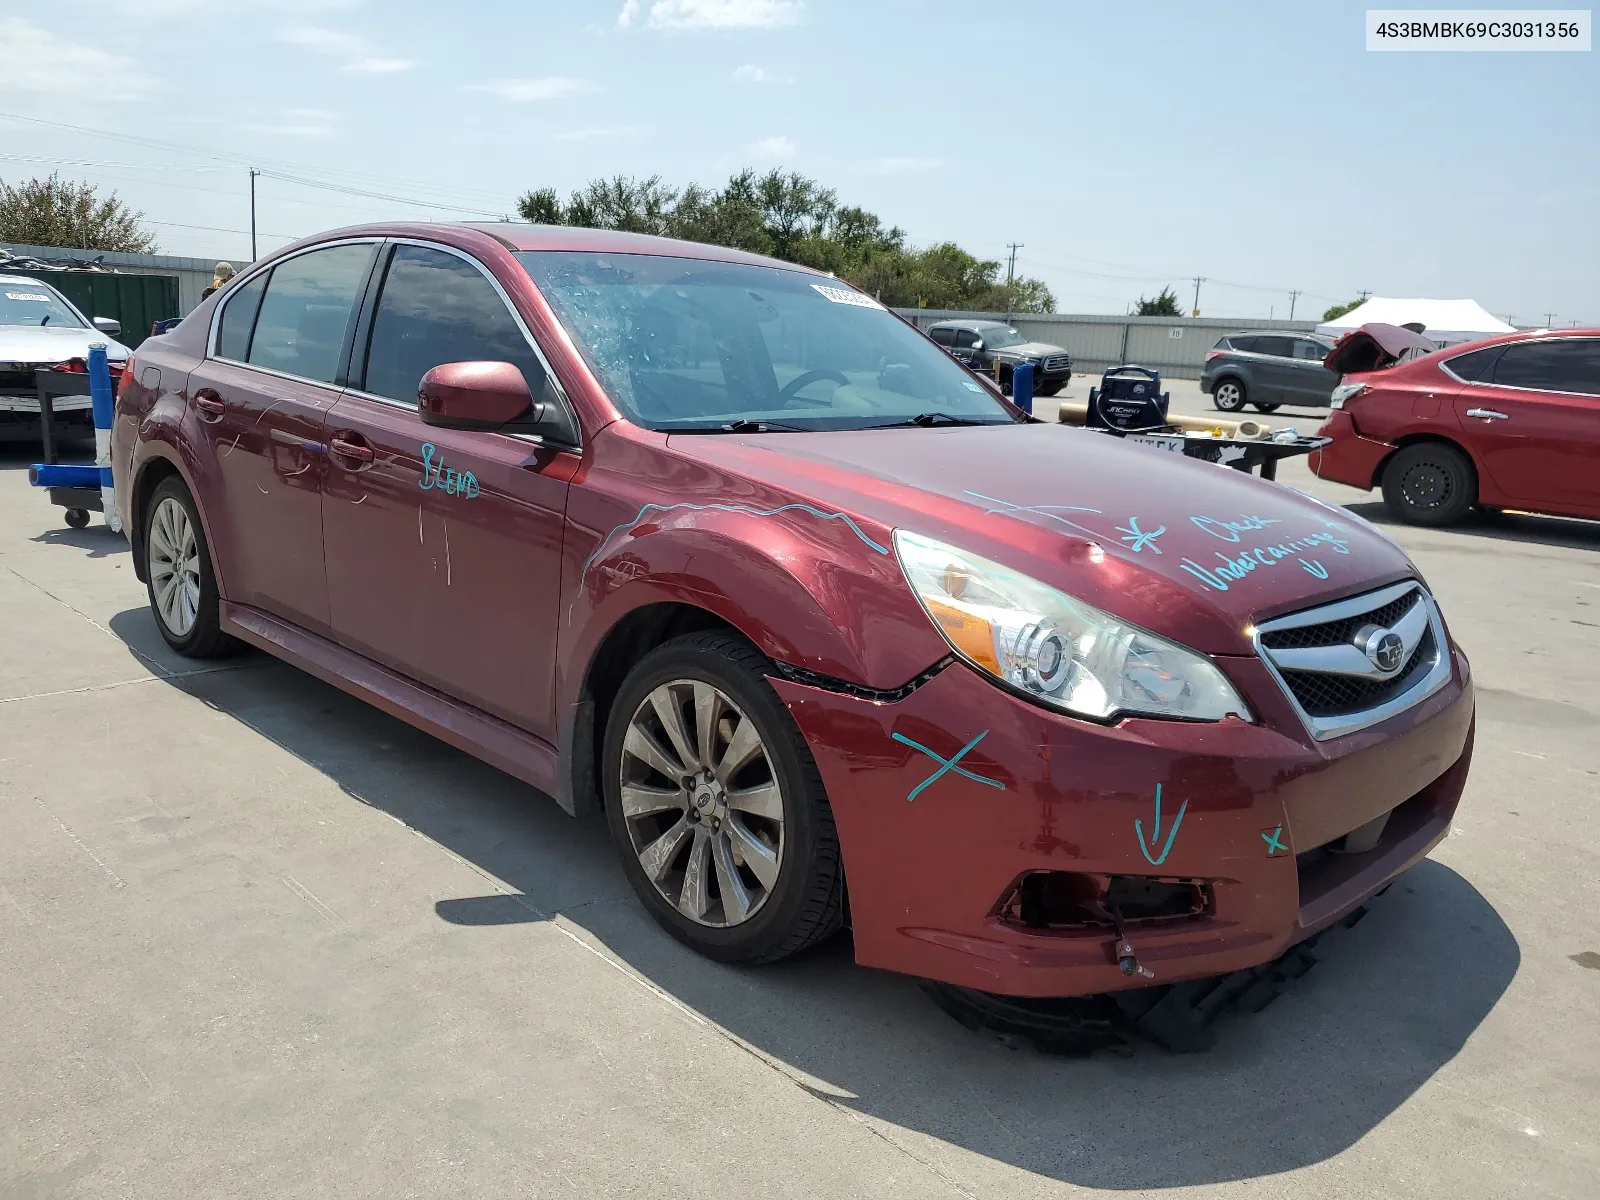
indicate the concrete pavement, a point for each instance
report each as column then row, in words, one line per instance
column 258, row 939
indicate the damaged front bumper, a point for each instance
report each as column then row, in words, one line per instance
column 992, row 844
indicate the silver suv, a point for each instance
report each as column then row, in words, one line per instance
column 1266, row 369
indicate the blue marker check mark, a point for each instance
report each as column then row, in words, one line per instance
column 1155, row 833
column 947, row 764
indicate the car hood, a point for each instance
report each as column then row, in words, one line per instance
column 43, row 344
column 1186, row 549
column 1027, row 350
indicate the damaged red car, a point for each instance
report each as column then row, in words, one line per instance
column 1507, row 422
column 828, row 630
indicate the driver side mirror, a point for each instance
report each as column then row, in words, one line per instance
column 108, row 325
column 474, row 395
column 978, row 345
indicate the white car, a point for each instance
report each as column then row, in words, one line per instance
column 39, row 327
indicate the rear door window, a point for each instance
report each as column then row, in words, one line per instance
column 307, row 312
column 438, row 308
column 1556, row 365
column 1246, row 345
column 1278, row 347
column 944, row 337
column 239, row 320
column 1477, row 367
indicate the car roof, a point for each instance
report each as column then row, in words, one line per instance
column 1299, row 333
column 516, row 236
column 963, row 324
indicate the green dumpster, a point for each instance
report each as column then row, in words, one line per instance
column 135, row 300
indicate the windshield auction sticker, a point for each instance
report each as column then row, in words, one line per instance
column 28, row 296
column 846, row 296
column 1478, row 29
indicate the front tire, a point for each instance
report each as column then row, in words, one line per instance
column 182, row 585
column 1429, row 483
column 1229, row 395
column 716, row 806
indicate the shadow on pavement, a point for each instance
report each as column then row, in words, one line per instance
column 96, row 539
column 1568, row 532
column 1391, row 1002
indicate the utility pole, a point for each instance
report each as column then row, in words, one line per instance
column 1548, row 318
column 253, row 174
column 1363, row 293
column 1293, row 296
column 1198, row 280
column 1011, row 274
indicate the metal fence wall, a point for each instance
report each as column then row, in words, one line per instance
column 1175, row 346
column 193, row 274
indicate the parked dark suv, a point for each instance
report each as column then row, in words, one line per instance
column 1267, row 369
column 982, row 344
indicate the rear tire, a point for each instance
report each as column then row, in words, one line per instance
column 1229, row 395
column 741, row 862
column 1267, row 408
column 182, row 584
column 1430, row 483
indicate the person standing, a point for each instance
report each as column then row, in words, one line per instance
column 220, row 276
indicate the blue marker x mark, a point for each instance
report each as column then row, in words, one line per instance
column 1137, row 538
column 947, row 764
column 1155, row 834
column 1274, row 845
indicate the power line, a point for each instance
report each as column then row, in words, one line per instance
column 238, row 159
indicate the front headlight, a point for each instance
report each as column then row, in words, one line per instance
column 1055, row 648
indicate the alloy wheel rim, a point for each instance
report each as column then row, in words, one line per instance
column 1228, row 396
column 174, row 559
column 702, row 803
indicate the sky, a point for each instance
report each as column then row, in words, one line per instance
column 1125, row 147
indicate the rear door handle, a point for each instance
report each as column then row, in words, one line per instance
column 1488, row 414
column 209, row 405
column 351, row 446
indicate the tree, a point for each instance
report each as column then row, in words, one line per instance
column 1339, row 310
column 1164, row 305
column 57, row 212
column 796, row 219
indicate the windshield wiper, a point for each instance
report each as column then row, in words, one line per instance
column 928, row 419
column 742, row 426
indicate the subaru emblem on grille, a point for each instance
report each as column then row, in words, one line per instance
column 1383, row 647
column 1356, row 662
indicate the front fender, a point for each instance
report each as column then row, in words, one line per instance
column 808, row 588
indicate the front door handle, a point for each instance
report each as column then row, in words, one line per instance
column 209, row 405
column 351, row 446
column 1488, row 414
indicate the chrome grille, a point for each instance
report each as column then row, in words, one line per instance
column 1334, row 633
column 1330, row 659
column 1058, row 362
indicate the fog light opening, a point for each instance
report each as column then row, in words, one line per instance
column 1079, row 902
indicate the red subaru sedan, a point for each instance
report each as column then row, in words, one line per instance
column 1510, row 422
column 721, row 547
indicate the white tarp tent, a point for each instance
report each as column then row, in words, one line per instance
column 1447, row 321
